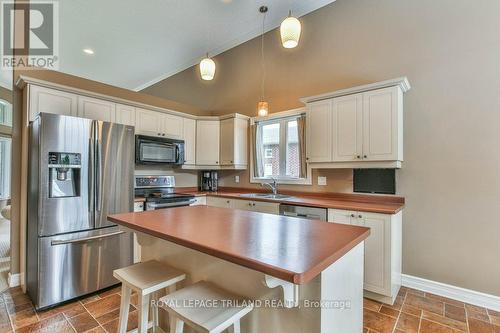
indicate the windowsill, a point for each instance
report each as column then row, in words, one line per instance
column 285, row 181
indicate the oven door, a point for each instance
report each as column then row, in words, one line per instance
column 157, row 205
column 156, row 152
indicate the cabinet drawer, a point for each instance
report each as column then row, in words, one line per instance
column 219, row 202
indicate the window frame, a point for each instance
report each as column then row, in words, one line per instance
column 282, row 118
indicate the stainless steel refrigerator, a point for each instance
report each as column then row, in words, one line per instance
column 80, row 170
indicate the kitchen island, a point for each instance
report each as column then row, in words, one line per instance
column 305, row 276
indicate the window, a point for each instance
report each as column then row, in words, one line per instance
column 5, row 158
column 5, row 113
column 279, row 152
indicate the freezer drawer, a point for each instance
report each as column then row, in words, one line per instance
column 76, row 264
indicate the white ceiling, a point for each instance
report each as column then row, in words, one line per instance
column 140, row 42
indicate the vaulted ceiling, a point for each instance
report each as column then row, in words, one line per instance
column 138, row 43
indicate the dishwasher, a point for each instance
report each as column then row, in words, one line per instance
column 310, row 213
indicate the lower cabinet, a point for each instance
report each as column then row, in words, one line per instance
column 219, row 202
column 383, row 251
column 199, row 201
column 257, row 206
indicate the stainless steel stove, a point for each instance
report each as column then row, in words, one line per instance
column 159, row 192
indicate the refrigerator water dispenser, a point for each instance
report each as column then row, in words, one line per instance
column 64, row 175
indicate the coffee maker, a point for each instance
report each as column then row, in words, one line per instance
column 209, row 181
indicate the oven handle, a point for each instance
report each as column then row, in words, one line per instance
column 85, row 239
column 171, row 204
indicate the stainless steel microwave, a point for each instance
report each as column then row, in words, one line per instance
column 152, row 150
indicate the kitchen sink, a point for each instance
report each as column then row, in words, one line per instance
column 266, row 196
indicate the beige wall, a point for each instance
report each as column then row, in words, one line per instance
column 450, row 52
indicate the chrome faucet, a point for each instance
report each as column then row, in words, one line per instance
column 273, row 186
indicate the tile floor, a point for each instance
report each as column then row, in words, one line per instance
column 413, row 312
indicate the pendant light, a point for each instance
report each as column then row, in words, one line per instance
column 207, row 69
column 263, row 106
column 290, row 30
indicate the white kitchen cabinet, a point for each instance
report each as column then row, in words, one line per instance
column 172, row 126
column 48, row 100
column 207, row 142
column 97, row 109
column 383, row 125
column 154, row 123
column 347, row 124
column 234, row 142
column 189, row 137
column 256, row 206
column 319, row 131
column 199, row 201
column 383, row 251
column 125, row 114
column 219, row 202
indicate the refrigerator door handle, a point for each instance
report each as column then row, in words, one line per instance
column 85, row 239
column 91, row 167
column 98, row 178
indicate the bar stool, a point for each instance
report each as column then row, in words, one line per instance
column 205, row 308
column 147, row 279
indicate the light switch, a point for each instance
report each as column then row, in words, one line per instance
column 321, row 181
column 236, row 179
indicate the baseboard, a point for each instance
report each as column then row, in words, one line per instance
column 460, row 294
column 14, row 280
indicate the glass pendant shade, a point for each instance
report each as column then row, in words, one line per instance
column 207, row 69
column 263, row 109
column 290, row 32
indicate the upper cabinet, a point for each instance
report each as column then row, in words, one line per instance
column 97, row 109
column 360, row 127
column 125, row 114
column 234, row 142
column 207, row 142
column 189, row 137
column 153, row 123
column 48, row 100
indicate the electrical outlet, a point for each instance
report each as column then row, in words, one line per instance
column 236, row 179
column 321, row 181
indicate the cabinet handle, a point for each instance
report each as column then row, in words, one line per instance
column 231, row 162
column 216, row 162
column 352, row 215
column 360, row 216
column 253, row 204
column 227, row 201
column 250, row 204
column 159, row 134
column 359, row 156
column 364, row 156
column 163, row 134
column 307, row 158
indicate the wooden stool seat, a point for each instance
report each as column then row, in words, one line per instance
column 205, row 308
column 147, row 279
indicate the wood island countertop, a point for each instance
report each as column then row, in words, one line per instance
column 291, row 249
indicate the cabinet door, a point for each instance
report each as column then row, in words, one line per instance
column 51, row 101
column 266, row 207
column 227, row 141
column 97, row 109
column 380, row 124
column 243, row 204
column 377, row 252
column 207, row 142
column 125, row 114
column 319, row 131
column 148, row 122
column 340, row 216
column 189, row 137
column 219, row 202
column 240, row 141
column 347, row 141
column 172, row 126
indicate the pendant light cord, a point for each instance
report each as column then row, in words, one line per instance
column 263, row 67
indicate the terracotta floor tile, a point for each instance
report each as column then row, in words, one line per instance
column 402, row 291
column 69, row 310
column 432, row 327
column 398, row 303
column 454, row 312
column 424, row 303
column 445, row 300
column 378, row 322
column 493, row 313
column 24, row 318
column 445, row 321
column 102, row 306
column 478, row 326
column 106, row 318
column 477, row 315
column 83, row 322
column 496, row 329
column 4, row 320
column 98, row 329
column 17, row 299
column 495, row 320
column 389, row 311
column 89, row 299
column 112, row 291
column 411, row 310
column 475, row 308
column 408, row 323
column 12, row 308
column 112, row 326
column 371, row 304
column 52, row 324
column 415, row 292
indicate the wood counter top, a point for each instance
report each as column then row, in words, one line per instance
column 345, row 201
column 292, row 249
